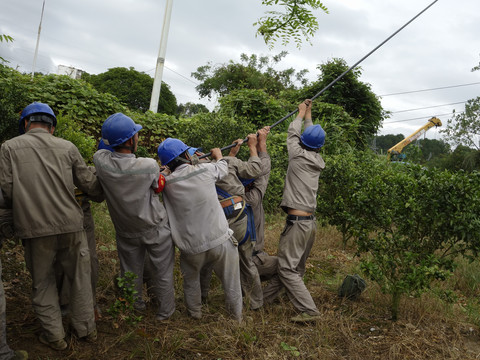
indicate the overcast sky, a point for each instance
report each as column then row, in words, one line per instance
column 437, row 50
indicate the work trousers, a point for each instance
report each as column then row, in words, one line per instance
column 266, row 265
column 71, row 252
column 62, row 281
column 249, row 277
column 158, row 246
column 295, row 244
column 223, row 259
column 5, row 351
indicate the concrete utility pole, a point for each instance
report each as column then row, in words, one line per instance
column 38, row 40
column 157, row 82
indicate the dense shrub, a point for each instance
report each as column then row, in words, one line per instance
column 341, row 196
column 209, row 130
column 409, row 222
column 76, row 100
column 277, row 148
column 67, row 130
column 259, row 108
column 156, row 128
column 13, row 98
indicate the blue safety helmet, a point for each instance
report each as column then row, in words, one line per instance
column 313, row 137
column 103, row 146
column 37, row 112
column 118, row 128
column 192, row 150
column 169, row 149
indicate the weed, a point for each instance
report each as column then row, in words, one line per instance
column 294, row 351
column 122, row 309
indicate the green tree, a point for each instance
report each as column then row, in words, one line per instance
column 462, row 158
column 433, row 148
column 6, row 38
column 385, row 142
column 189, row 109
column 296, row 22
column 255, row 106
column 464, row 128
column 355, row 96
column 253, row 72
column 133, row 88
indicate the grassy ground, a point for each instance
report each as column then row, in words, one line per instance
column 443, row 324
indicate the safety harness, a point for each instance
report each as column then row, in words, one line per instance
column 235, row 207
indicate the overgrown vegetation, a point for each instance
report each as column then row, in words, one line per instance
column 409, row 222
column 441, row 324
column 408, row 228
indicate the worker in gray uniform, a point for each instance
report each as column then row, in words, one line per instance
column 299, row 202
column 231, row 194
column 131, row 186
column 38, row 178
column 199, row 228
column 89, row 226
column 254, row 193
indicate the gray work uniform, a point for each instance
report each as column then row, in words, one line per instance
column 140, row 222
column 200, row 230
column 250, row 279
column 89, row 227
column 265, row 263
column 39, row 174
column 296, row 240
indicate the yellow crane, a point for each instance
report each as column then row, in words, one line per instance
column 396, row 150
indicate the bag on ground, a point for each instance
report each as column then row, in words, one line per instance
column 352, row 286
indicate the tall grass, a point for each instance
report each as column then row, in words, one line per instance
column 441, row 324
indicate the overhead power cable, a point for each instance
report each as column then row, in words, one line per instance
column 427, row 107
column 175, row 72
column 422, row 117
column 432, row 89
column 340, row 76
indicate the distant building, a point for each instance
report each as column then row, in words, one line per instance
column 69, row 71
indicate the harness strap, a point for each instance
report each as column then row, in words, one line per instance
column 246, row 209
column 250, row 226
column 230, row 201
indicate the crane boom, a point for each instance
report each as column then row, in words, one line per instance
column 397, row 149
